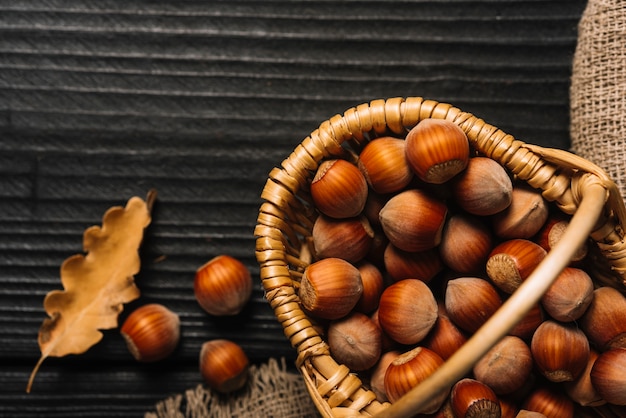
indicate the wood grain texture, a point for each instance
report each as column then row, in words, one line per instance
column 103, row 100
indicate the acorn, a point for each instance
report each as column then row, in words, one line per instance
column 413, row 220
column 224, row 365
column 339, row 189
column 151, row 332
column 384, row 165
column 330, row 288
column 437, row 150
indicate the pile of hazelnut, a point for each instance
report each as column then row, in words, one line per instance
column 417, row 242
column 222, row 287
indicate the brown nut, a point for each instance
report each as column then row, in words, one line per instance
column 604, row 321
column 549, row 401
column 355, row 340
column 581, row 390
column 413, row 220
column 483, row 188
column 384, row 166
column 608, row 376
column 223, row 365
column 151, row 332
column 437, row 150
column 410, row 369
column 422, row 265
column 569, row 296
column 473, row 399
column 223, row 286
column 512, row 261
column 339, row 189
column 347, row 238
column 465, row 244
column 506, row 367
column 330, row 288
column 470, row 302
column 560, row 350
column 407, row 311
column 524, row 217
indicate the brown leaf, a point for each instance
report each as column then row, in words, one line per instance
column 96, row 285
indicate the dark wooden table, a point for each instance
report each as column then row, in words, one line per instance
column 104, row 100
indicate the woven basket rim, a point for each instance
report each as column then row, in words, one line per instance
column 285, row 219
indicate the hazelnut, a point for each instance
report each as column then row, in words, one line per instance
column 384, row 166
column 465, row 243
column 151, row 332
column 413, row 220
column 339, row 189
column 581, row 390
column 437, row 150
column 407, row 311
column 608, row 376
column 506, row 367
column 549, row 401
column 473, row 399
column 483, row 188
column 373, row 286
column 604, row 321
column 223, row 286
column 470, row 302
column 512, row 261
column 223, row 365
column 524, row 217
column 422, row 265
column 347, row 238
column 330, row 288
column 560, row 350
column 355, row 341
column 569, row 296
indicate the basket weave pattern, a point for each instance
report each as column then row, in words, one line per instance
column 286, row 218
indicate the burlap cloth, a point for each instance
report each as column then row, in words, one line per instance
column 271, row 391
column 598, row 88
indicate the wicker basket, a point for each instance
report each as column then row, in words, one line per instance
column 286, row 218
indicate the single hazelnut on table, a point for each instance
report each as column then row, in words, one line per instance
column 151, row 332
column 437, row 150
column 339, row 189
column 223, row 365
column 223, row 286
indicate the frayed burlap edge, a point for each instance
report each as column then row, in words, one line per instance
column 598, row 89
column 271, row 391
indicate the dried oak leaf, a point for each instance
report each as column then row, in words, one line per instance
column 96, row 284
